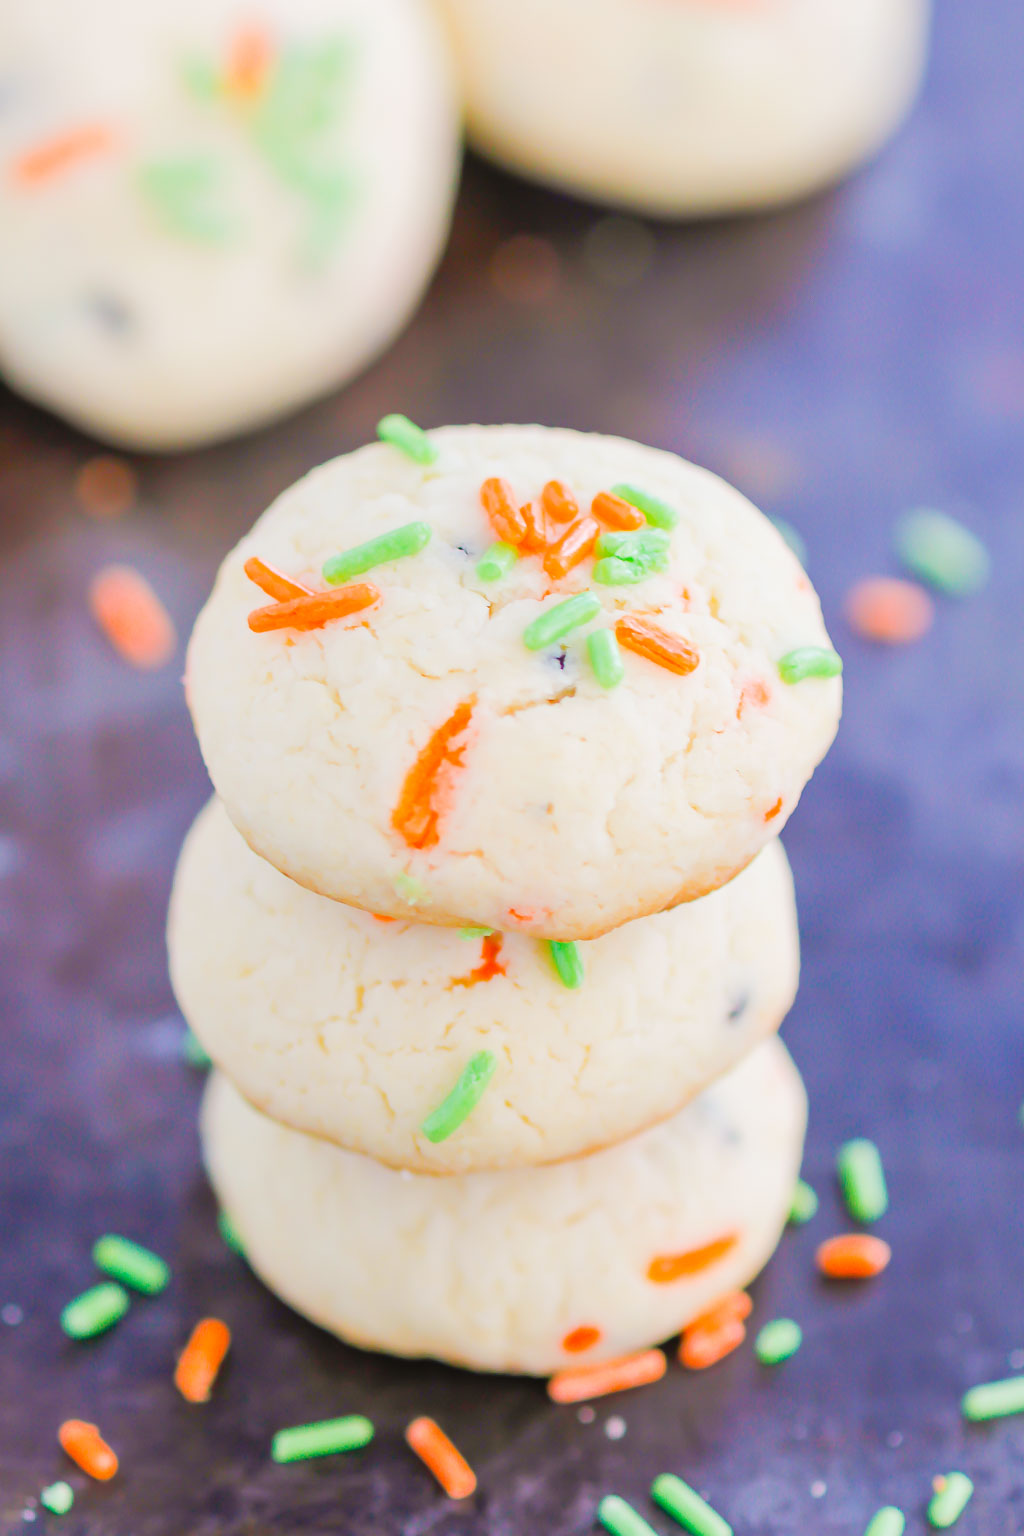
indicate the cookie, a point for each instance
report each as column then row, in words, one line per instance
column 214, row 210
column 355, row 1030
column 529, row 1270
column 515, row 707
column 677, row 107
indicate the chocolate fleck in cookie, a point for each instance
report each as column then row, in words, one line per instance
column 357, row 1030
column 536, row 1269
column 515, row 677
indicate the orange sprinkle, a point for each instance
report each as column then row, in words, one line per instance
column 581, row 1339
column 521, row 917
column 61, row 153
column 106, row 486
column 575, row 545
column 201, row 1359
column 853, row 1256
column 889, row 610
column 771, row 814
column 704, row 1343
column 673, row 1266
column 536, row 538
column 314, row 609
column 506, row 519
column 489, row 966
column 131, row 616
column 274, row 583
column 584, row 1381
column 417, row 815
column 379, row 919
column 248, row 62
column 87, row 1449
column 559, row 502
column 616, row 513
column 430, row 1443
column 755, row 693
column 736, row 1306
column 646, row 639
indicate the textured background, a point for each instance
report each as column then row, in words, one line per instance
column 840, row 362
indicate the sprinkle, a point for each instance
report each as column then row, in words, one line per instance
column 11, row 1315
column 106, row 486
column 805, row 1204
column 314, row 609
column 408, row 438
column 87, row 1449
column 498, row 501
column 654, row 644
column 489, row 967
column 132, row 617
column 631, row 557
column 417, row 814
column 621, row 1519
column 952, row 1496
column 673, row 1266
column 496, row 562
column 62, row 153
column 572, row 548
column 324, row 1438
column 249, row 62
column 615, row 512
column 131, row 1263
column 57, row 1498
column 194, row 1052
column 437, row 1453
column 229, row 1234
column 535, row 539
column 942, row 552
column 587, row 1381
column 274, row 583
column 794, row 539
column 658, row 513
column 778, row 1341
column 463, row 1099
column 396, row 545
column 579, row 1340
column 94, row 1311
column 559, row 503
column 888, row 610
column 809, row 661
column 567, row 962
column 560, row 620
column 615, row 1427
column 411, row 890
column 202, row 1359
column 862, row 1178
column 686, row 1506
column 994, row 1400
column 710, row 1339
column 186, row 195
column 586, row 1415
column 466, row 933
column 853, row 1256
column 605, row 658
column 889, row 1521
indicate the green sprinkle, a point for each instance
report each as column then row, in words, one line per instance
column 407, row 540
column 994, row 1400
column 463, row 1099
column 407, row 437
column 475, row 933
column 863, row 1180
column 409, row 888
column 497, row 562
column 560, row 620
column 613, row 572
column 94, row 1311
column 567, row 962
column 777, row 1341
column 324, row 1438
column 951, row 1498
column 128, row 1261
column 942, row 552
column 229, row 1233
column 889, row 1521
column 194, row 1052
column 629, row 557
column 809, row 661
column 621, row 1519
column 187, row 196
column 794, row 539
column 680, row 1501
column 805, row 1203
column 605, row 658
column 58, row 1498
column 658, row 513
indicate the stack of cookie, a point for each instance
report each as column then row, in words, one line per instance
column 488, row 932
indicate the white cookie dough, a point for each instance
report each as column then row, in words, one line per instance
column 495, row 1270
column 354, row 1030
column 681, row 107
column 564, row 808
column 214, row 210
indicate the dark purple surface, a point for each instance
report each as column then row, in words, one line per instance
column 839, row 361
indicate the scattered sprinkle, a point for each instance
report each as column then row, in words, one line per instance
column 187, row 196
column 581, row 1382
column 131, row 1263
column 132, row 617
column 952, row 1496
column 94, row 1311
column 716, row 1333
column 201, row 1359
column 324, row 1438
column 889, row 610
column 889, row 1521
column 490, row 965
column 778, row 1341
column 396, row 545
column 314, row 609
column 794, row 539
column 615, row 1427
column 410, row 889
column 475, row 933
column 506, row 517
column 629, row 557
column 463, row 1099
column 618, row 251
column 567, row 962
column 417, row 816
column 559, row 503
column 805, row 1204
column 439, row 1456
column 572, row 548
column 658, row 513
column 62, row 153
column 11, row 1314
column 621, row 1519
column 87, row 1449
column 646, row 639
column 581, row 1339
column 615, row 512
column 853, row 1256
column 994, row 1400
column 687, row 1507
column 809, row 661
column 248, row 62
column 106, row 486
column 525, row 269
column 409, row 439
column 668, row 1267
column 274, row 583
column 497, row 562
column 57, row 1498
column 606, row 658
column 862, row 1178
column 560, row 620
column 229, row 1233
column 942, row 552
column 194, row 1052
column 819, row 1489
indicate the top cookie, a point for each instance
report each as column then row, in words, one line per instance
column 465, row 748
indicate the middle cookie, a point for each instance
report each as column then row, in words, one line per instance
column 354, row 1029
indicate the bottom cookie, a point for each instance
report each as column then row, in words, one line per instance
column 529, row 1270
